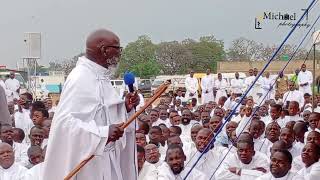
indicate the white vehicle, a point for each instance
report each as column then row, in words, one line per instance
column 177, row 82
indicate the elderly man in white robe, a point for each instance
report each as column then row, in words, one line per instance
column 305, row 80
column 13, row 86
column 221, row 87
column 207, row 83
column 192, row 85
column 89, row 118
column 246, row 164
column 9, row 170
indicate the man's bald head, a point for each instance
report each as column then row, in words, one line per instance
column 103, row 47
column 6, row 155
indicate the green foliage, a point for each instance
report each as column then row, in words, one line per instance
column 206, row 53
column 136, row 55
column 147, row 59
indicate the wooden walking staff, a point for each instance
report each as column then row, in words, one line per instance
column 161, row 89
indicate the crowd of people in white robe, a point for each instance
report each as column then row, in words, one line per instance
column 24, row 138
column 276, row 137
column 267, row 137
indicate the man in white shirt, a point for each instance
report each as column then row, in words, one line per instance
column 292, row 95
column 174, row 167
column 305, row 80
column 207, row 83
column 267, row 86
column 152, row 163
column 10, row 170
column 272, row 135
column 313, row 137
column 186, row 126
column 13, row 86
column 191, row 84
column 20, row 150
column 279, row 167
column 22, row 117
column 248, row 81
column 246, row 164
column 209, row 161
column 310, row 157
column 237, row 85
column 293, row 113
column 221, row 85
column 35, row 156
column 287, row 135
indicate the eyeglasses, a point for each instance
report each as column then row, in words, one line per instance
column 116, row 47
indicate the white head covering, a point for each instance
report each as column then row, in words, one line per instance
column 4, row 112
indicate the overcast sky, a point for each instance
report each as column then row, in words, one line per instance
column 64, row 24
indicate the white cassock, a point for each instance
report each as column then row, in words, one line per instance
column 221, row 87
column 258, row 143
column 4, row 86
column 186, row 132
column 248, row 81
column 24, row 122
column 305, row 77
column 297, row 164
column 192, row 87
column 4, row 113
column 15, row 172
column 269, row 176
column 150, row 171
column 12, row 86
column 35, row 172
column 207, row 84
column 295, row 151
column 243, row 126
column 20, row 153
column 167, row 174
column 88, row 106
column 265, row 146
column 160, row 121
column 293, row 96
column 267, row 86
column 310, row 173
column 282, row 123
column 232, row 160
column 237, row 86
column 209, row 161
column 141, row 102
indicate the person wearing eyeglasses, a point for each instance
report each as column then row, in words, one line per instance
column 89, row 118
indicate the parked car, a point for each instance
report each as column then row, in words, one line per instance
column 145, row 86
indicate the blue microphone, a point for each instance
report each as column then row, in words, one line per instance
column 129, row 80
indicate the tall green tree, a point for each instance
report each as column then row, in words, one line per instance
column 173, row 57
column 136, row 55
column 205, row 53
